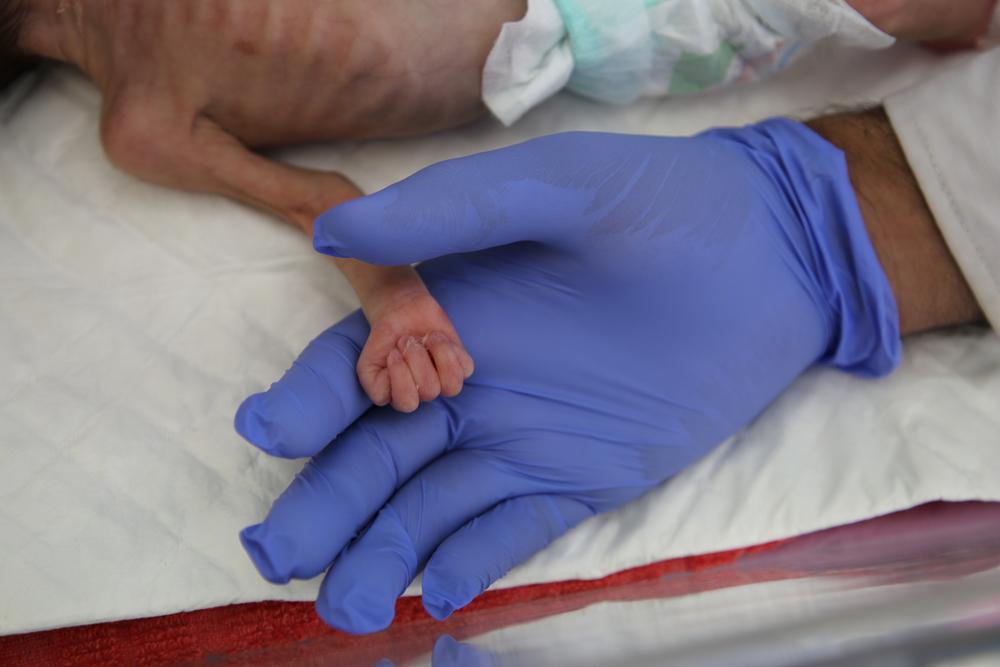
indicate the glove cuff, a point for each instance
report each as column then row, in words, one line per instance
column 865, row 338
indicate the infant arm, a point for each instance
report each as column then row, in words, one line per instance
column 413, row 352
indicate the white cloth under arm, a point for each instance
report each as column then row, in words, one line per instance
column 950, row 131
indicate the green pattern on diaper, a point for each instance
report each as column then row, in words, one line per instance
column 611, row 46
column 617, row 51
column 695, row 72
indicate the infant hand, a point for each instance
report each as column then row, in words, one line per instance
column 412, row 354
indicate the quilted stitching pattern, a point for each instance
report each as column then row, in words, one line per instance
column 133, row 320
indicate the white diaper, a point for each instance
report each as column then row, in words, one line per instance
column 617, row 51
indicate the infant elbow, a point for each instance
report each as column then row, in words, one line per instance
column 129, row 140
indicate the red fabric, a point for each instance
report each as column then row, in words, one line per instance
column 291, row 633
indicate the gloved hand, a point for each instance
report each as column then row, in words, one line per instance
column 630, row 301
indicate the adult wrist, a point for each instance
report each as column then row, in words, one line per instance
column 929, row 288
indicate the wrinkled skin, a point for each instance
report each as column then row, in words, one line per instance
column 192, row 86
column 187, row 84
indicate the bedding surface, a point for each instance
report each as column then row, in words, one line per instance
column 133, row 320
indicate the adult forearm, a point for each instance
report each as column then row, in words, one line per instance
column 929, row 287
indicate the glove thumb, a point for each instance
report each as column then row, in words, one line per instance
column 461, row 205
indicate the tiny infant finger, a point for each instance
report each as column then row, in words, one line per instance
column 376, row 384
column 468, row 365
column 449, row 368
column 373, row 378
column 421, row 367
column 404, row 389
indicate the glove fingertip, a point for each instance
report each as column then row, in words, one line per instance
column 439, row 607
column 356, row 611
column 269, row 556
column 324, row 244
column 350, row 229
column 360, row 591
column 253, row 424
column 447, row 589
column 276, row 422
column 340, row 218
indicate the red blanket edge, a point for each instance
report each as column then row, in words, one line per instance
column 270, row 632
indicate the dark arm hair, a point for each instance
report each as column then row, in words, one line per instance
column 12, row 61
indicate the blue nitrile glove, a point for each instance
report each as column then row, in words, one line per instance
column 631, row 302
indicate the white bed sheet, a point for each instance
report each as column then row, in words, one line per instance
column 134, row 319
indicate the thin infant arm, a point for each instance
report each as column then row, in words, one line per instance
column 413, row 353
